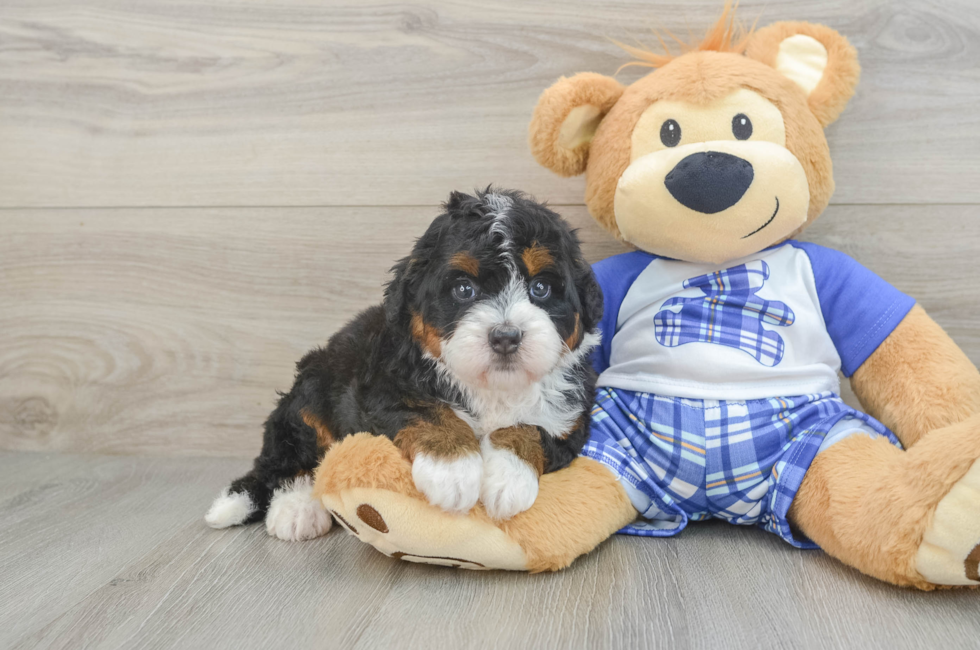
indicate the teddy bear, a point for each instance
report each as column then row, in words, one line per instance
column 723, row 341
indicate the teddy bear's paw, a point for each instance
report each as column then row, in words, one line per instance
column 510, row 485
column 950, row 549
column 409, row 529
column 453, row 485
column 294, row 514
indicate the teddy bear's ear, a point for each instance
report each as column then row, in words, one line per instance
column 817, row 58
column 566, row 118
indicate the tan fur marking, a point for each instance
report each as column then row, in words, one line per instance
column 524, row 442
column 323, row 436
column 575, row 427
column 372, row 518
column 537, row 258
column 445, row 437
column 918, row 380
column 576, row 336
column 466, row 263
column 427, row 336
column 868, row 503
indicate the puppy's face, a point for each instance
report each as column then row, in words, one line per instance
column 496, row 291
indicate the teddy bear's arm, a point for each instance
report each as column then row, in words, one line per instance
column 366, row 483
column 918, row 380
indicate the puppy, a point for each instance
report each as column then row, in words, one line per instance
column 476, row 365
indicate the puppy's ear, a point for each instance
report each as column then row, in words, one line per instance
column 396, row 291
column 590, row 295
column 816, row 58
column 409, row 272
column 459, row 203
column 566, row 119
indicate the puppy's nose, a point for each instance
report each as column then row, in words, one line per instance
column 505, row 339
column 709, row 181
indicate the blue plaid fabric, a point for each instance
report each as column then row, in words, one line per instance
column 730, row 314
column 742, row 461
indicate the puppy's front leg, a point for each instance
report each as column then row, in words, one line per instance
column 512, row 462
column 446, row 463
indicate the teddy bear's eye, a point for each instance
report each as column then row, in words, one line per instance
column 670, row 133
column 742, row 126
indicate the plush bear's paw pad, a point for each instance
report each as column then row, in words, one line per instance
column 294, row 515
column 950, row 549
column 453, row 485
column 510, row 485
column 229, row 509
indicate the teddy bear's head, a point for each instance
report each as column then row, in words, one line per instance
column 718, row 153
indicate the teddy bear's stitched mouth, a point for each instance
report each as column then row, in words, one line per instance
column 766, row 223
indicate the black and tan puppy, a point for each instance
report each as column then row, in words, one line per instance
column 476, row 365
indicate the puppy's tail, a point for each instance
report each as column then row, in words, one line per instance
column 245, row 501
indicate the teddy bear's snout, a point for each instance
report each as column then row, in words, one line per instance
column 709, row 181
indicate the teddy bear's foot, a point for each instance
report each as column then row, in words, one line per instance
column 368, row 486
column 907, row 517
column 366, row 483
column 294, row 515
column 950, row 549
column 409, row 529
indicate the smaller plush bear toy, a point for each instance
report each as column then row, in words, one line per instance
column 722, row 340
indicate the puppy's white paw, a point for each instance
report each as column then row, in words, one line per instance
column 510, row 485
column 294, row 515
column 453, row 485
column 229, row 510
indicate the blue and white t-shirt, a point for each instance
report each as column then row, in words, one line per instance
column 781, row 322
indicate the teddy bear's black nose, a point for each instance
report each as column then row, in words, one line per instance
column 709, row 181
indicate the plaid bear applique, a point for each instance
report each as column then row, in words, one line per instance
column 730, row 314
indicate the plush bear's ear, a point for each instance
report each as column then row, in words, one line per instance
column 817, row 58
column 566, row 118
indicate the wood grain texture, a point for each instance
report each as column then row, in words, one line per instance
column 110, row 552
column 163, row 331
column 167, row 331
column 304, row 102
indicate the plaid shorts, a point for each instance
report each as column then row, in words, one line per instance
column 741, row 461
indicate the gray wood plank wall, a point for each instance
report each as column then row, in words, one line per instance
column 192, row 194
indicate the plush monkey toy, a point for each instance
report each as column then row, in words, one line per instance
column 722, row 340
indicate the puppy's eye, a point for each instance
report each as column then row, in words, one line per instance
column 742, row 126
column 540, row 290
column 670, row 133
column 464, row 290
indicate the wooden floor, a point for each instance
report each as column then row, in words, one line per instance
column 111, row 552
column 195, row 192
